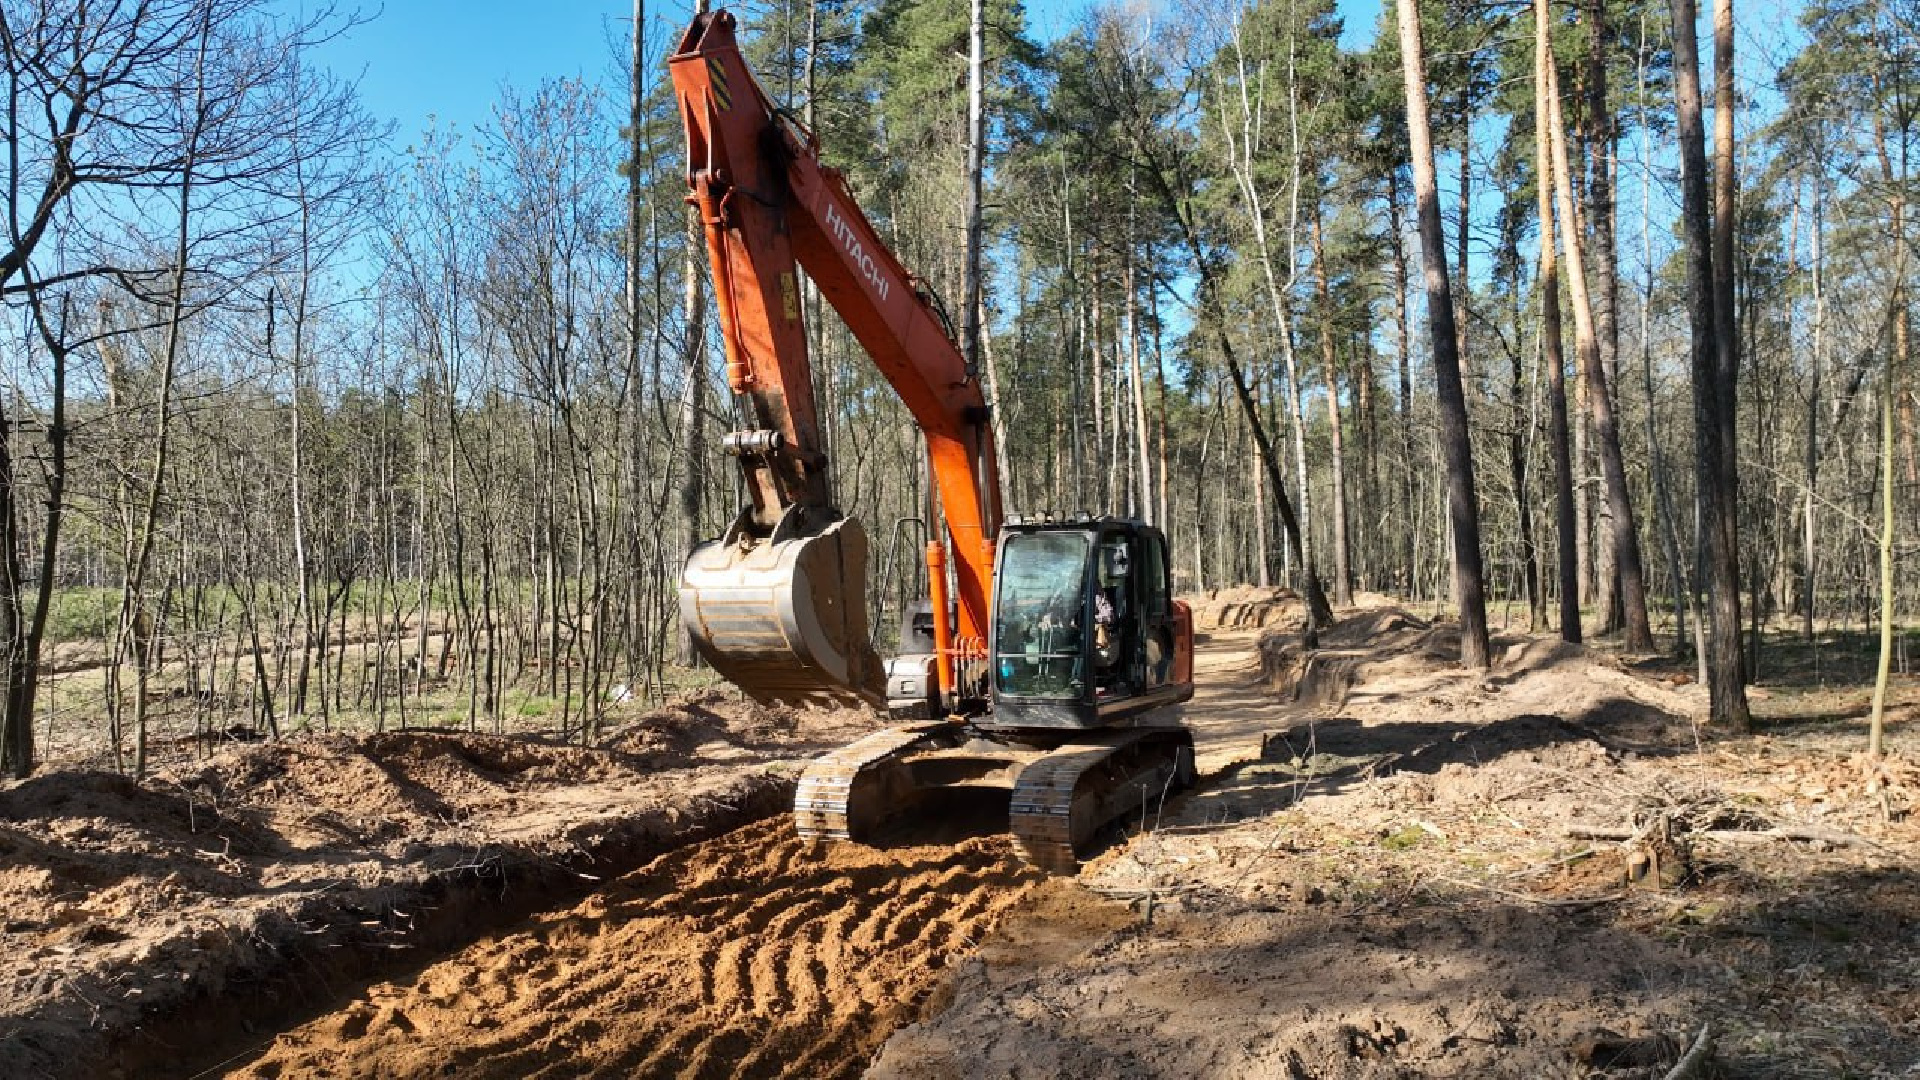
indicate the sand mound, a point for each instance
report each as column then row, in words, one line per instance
column 1244, row 607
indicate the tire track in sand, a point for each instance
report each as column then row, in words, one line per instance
column 752, row 955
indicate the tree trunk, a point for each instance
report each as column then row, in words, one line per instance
column 1000, row 464
column 692, row 413
column 1624, row 542
column 1809, row 556
column 16, row 733
column 1319, row 613
column 1681, row 592
column 1460, row 294
column 1212, row 311
column 1613, row 610
column 1896, row 368
column 1727, row 360
column 1724, row 663
column 1403, row 343
column 1329, row 365
column 21, row 631
column 1517, row 436
column 636, row 206
column 976, row 165
column 136, row 622
column 1242, row 153
column 1462, row 505
column 1143, row 484
column 1165, row 513
column 1565, row 521
column 1883, row 667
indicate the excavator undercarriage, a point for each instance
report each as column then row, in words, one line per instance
column 1056, row 795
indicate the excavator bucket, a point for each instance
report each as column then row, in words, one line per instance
column 785, row 618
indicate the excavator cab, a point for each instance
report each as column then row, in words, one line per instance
column 1085, row 630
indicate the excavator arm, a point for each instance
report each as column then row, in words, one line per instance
column 777, row 605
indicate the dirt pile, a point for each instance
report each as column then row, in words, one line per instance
column 1320, row 677
column 129, row 907
column 753, row 955
column 1243, row 607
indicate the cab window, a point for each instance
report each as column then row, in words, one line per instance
column 1040, row 618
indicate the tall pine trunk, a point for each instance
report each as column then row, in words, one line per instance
column 1624, row 542
column 1726, row 676
column 1329, row 366
column 1565, row 520
column 1403, row 355
column 1462, row 505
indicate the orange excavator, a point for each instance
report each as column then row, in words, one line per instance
column 1044, row 673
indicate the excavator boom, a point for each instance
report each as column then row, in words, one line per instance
column 777, row 605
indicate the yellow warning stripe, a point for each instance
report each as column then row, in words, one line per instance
column 721, row 94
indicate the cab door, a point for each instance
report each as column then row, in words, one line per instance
column 1133, row 612
column 1153, row 585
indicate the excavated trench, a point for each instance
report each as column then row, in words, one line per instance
column 754, row 954
column 448, row 914
column 713, row 942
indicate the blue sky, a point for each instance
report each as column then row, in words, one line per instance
column 448, row 59
column 445, row 62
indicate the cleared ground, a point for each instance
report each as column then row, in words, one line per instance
column 1387, row 871
column 1405, row 883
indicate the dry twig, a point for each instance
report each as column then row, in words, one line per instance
column 1695, row 1059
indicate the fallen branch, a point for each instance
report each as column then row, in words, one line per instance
column 1696, row 1056
column 1835, row 837
column 1583, row 853
column 1117, row 893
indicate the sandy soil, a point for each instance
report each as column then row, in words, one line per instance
column 753, row 955
column 1388, row 870
column 154, row 929
column 1389, row 887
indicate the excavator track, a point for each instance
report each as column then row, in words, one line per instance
column 1064, row 798
column 824, row 805
column 1060, row 796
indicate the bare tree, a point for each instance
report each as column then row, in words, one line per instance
column 135, row 108
column 1624, row 542
column 1240, row 128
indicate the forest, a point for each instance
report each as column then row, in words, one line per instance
column 308, row 423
